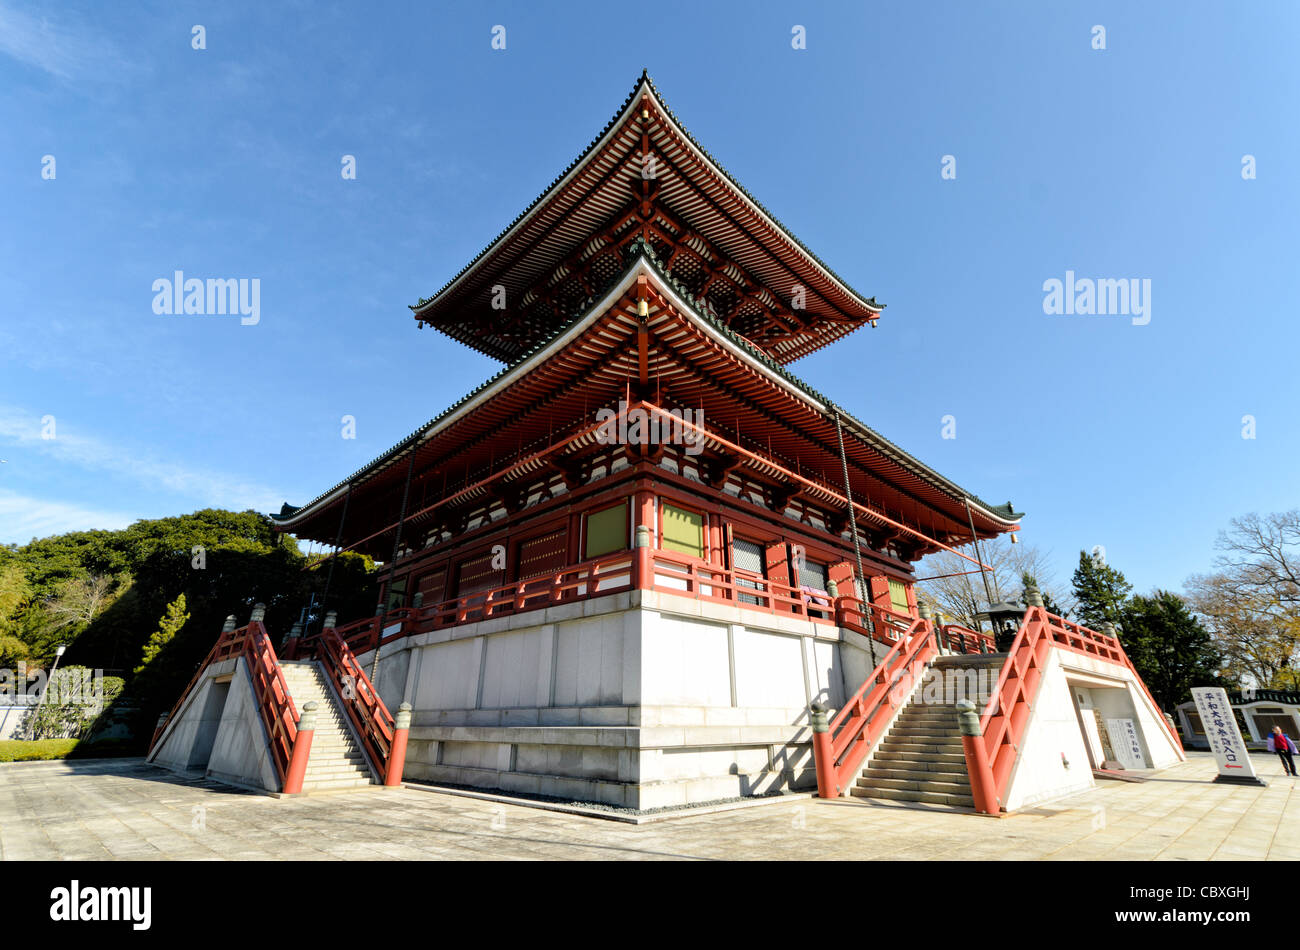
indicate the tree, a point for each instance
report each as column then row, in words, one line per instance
column 14, row 591
column 80, row 600
column 102, row 594
column 71, row 703
column 1100, row 592
column 961, row 596
column 12, row 652
column 1028, row 580
column 1170, row 649
column 1251, row 602
column 171, row 623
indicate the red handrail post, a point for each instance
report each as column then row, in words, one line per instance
column 823, row 753
column 297, row 770
column 983, row 788
column 397, row 753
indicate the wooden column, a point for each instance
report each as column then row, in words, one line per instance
column 643, row 537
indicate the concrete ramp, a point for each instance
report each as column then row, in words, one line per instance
column 1088, row 712
column 217, row 732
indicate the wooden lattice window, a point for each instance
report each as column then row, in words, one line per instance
column 478, row 574
column 431, row 586
column 543, row 555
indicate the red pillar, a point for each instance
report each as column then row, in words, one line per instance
column 823, row 754
column 301, row 750
column 643, row 539
column 397, row 754
column 982, row 786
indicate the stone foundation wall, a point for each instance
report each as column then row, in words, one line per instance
column 640, row 699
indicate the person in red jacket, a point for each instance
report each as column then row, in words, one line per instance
column 1281, row 743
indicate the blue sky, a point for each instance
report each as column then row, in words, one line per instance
column 1116, row 163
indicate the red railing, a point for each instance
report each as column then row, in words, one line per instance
column 961, row 639
column 594, row 578
column 674, row 574
column 884, row 624
column 370, row 717
column 840, row 752
column 669, row 573
column 1007, row 715
column 271, row 694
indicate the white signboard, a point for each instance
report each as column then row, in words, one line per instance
column 1225, row 738
column 1124, row 740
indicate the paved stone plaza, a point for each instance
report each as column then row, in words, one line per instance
column 127, row 810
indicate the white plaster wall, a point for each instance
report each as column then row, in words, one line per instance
column 209, row 722
column 642, row 700
column 855, row 665
column 589, row 661
column 685, row 662
column 510, row 670
column 12, row 717
column 1091, row 735
column 769, row 669
column 448, row 675
column 173, row 750
column 1118, row 704
column 390, row 683
column 1039, row 773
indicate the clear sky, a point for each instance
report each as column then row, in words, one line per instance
column 226, row 162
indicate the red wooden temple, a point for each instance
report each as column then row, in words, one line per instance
column 635, row 564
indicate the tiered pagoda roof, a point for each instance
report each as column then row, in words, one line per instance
column 645, row 176
column 715, row 336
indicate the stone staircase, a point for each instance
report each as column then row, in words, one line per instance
column 337, row 760
column 920, row 759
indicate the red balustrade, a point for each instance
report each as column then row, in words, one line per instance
column 961, row 639
column 666, row 572
column 595, row 578
column 676, row 574
column 367, row 712
column 840, row 752
column 883, row 623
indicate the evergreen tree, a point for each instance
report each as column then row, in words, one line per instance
column 1028, row 580
column 1100, row 592
column 171, row 623
column 1170, row 649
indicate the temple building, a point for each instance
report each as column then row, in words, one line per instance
column 644, row 564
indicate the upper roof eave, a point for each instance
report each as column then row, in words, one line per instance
column 644, row 84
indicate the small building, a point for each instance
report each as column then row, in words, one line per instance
column 1256, row 711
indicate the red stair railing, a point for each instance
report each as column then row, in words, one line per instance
column 840, row 750
column 367, row 712
column 961, row 639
